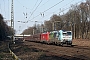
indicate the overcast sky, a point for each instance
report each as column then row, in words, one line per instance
column 36, row 10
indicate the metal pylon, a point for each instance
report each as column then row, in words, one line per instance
column 12, row 15
column 12, row 21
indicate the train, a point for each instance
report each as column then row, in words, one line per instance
column 59, row 37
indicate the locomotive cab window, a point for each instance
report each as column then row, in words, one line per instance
column 64, row 34
column 68, row 33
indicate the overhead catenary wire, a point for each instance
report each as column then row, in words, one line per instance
column 42, row 14
column 53, row 6
column 70, row 6
column 25, row 14
column 47, row 9
column 45, row 3
column 63, row 8
column 59, row 12
column 35, row 9
column 34, row 4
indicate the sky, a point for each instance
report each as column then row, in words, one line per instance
column 34, row 10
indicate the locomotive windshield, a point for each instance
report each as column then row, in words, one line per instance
column 66, row 33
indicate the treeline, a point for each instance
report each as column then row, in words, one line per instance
column 77, row 19
column 5, row 30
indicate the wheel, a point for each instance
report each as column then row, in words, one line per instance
column 61, row 44
column 48, row 43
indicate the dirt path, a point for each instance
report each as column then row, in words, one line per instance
column 37, row 51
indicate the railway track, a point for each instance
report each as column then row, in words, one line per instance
column 66, row 52
column 73, row 45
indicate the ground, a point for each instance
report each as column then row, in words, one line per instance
column 26, row 50
column 4, row 51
